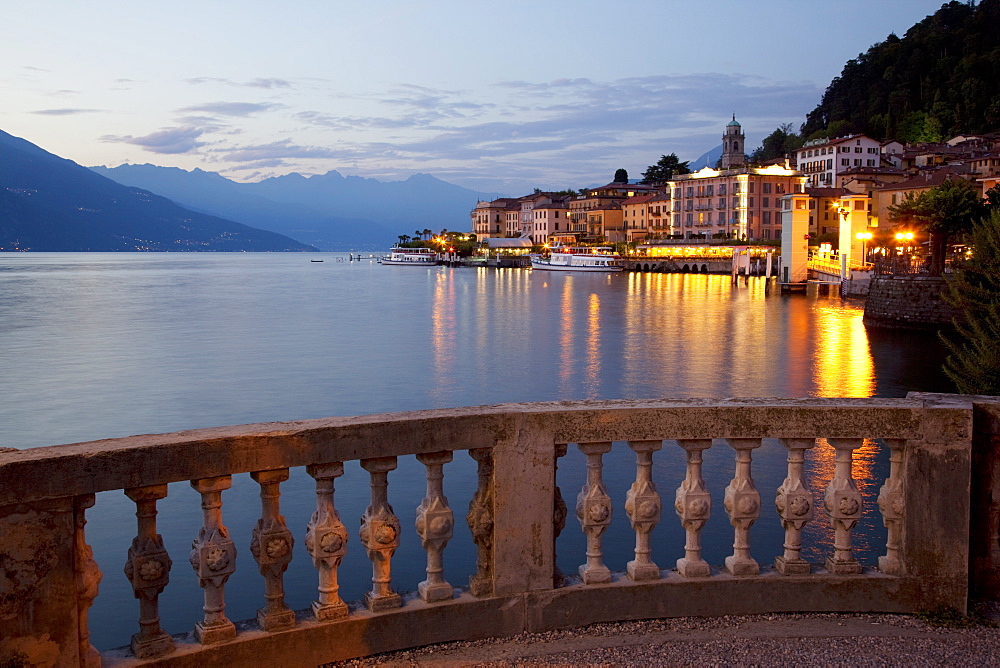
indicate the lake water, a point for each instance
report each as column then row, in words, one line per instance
column 104, row 345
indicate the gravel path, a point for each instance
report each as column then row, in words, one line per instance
column 761, row 640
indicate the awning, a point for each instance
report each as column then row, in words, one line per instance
column 497, row 242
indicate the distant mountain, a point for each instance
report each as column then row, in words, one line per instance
column 48, row 203
column 329, row 211
column 707, row 159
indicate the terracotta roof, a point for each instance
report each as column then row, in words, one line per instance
column 872, row 170
column 927, row 179
column 826, row 192
column 639, row 199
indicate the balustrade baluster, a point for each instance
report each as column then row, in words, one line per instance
column 271, row 547
column 88, row 578
column 843, row 505
column 480, row 519
column 794, row 504
column 559, row 513
column 742, row 503
column 213, row 557
column 434, row 525
column 891, row 503
column 593, row 508
column 693, row 504
column 326, row 542
column 380, row 535
column 643, row 506
column 148, row 569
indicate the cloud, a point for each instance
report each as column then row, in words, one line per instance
column 260, row 154
column 254, row 83
column 66, row 112
column 269, row 83
column 166, row 141
column 558, row 133
column 233, row 108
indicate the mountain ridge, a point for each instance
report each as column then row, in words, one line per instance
column 330, row 211
column 50, row 203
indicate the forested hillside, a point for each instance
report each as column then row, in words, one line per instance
column 937, row 81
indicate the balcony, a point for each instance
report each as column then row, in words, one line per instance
column 931, row 557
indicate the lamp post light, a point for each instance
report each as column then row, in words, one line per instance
column 864, row 237
column 904, row 238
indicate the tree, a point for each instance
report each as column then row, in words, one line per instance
column 943, row 212
column 621, row 176
column 778, row 144
column 974, row 360
column 665, row 169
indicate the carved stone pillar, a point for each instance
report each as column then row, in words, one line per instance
column 88, row 578
column 742, row 503
column 480, row 519
column 380, row 535
column 843, row 505
column 271, row 547
column 434, row 525
column 891, row 501
column 593, row 508
column 213, row 557
column 148, row 569
column 693, row 504
column 559, row 513
column 643, row 506
column 326, row 542
column 794, row 504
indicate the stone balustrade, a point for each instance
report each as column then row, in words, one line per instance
column 48, row 578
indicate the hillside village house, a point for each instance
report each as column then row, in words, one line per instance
column 822, row 160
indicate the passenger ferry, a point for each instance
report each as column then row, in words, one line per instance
column 419, row 257
column 579, row 258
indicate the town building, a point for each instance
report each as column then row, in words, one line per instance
column 822, row 160
column 490, row 219
column 742, row 203
column 891, row 194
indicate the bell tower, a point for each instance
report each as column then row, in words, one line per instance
column 733, row 145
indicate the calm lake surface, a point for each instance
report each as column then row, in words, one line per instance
column 102, row 345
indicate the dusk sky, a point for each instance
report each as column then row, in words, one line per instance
column 498, row 97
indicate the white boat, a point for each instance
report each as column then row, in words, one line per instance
column 579, row 258
column 419, row 257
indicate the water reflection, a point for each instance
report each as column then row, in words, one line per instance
column 443, row 332
column 592, row 385
column 843, row 361
column 870, row 469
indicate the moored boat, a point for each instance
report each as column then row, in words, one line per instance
column 579, row 258
column 419, row 257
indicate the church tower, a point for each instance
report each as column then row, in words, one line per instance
column 733, row 145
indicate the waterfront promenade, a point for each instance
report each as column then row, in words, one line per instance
column 759, row 640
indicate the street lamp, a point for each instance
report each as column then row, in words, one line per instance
column 864, row 237
column 904, row 238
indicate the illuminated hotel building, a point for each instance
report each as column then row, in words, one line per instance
column 742, row 203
